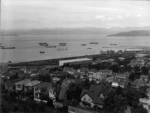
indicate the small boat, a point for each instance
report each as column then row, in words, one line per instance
column 83, row 44
column 43, row 44
column 50, row 46
column 113, row 44
column 2, row 47
column 42, row 52
column 93, row 42
column 62, row 44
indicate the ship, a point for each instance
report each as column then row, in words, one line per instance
column 62, row 44
column 43, row 44
column 89, row 48
column 93, row 42
column 83, row 44
column 2, row 47
column 113, row 44
column 50, row 46
column 42, row 52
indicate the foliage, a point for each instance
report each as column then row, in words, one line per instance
column 139, row 109
column 73, row 92
column 118, row 99
column 10, row 104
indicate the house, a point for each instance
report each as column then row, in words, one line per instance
column 95, row 96
column 55, row 80
column 121, row 81
column 29, row 86
column 146, row 101
column 70, row 70
column 137, row 62
column 84, row 70
column 10, row 84
column 19, row 86
column 138, row 83
column 110, row 79
column 121, row 58
column 3, row 67
column 43, row 91
column 144, row 77
column 75, row 61
column 100, row 75
column 106, row 72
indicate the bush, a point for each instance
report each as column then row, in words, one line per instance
column 86, row 104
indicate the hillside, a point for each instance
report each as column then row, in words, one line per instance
column 133, row 33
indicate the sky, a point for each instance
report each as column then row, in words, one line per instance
column 30, row 14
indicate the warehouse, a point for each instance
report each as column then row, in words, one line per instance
column 73, row 61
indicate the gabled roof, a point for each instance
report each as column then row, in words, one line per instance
column 23, row 82
column 11, row 82
column 144, row 76
column 95, row 91
column 95, row 99
column 56, row 79
column 119, row 81
column 32, row 83
column 43, row 85
column 138, row 82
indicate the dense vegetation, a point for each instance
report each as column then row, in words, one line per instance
column 10, row 104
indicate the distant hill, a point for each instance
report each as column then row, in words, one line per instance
column 133, row 33
column 115, row 31
column 59, row 31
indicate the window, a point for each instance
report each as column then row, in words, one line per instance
column 36, row 95
column 84, row 99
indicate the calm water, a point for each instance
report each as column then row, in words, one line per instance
column 28, row 49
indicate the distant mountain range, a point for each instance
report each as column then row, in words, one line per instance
column 115, row 31
column 133, row 33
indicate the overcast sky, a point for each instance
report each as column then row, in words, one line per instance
column 27, row 14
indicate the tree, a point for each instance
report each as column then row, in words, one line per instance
column 132, row 77
column 139, row 109
column 144, row 70
column 50, row 103
column 118, row 99
column 115, row 101
column 73, row 92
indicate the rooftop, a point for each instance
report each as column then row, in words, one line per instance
column 23, row 82
column 43, row 85
column 33, row 83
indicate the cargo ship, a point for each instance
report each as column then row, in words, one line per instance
column 62, row 44
column 83, row 44
column 50, row 46
column 2, row 47
column 42, row 52
column 43, row 44
column 113, row 44
column 93, row 42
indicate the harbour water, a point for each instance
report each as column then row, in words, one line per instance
column 28, row 49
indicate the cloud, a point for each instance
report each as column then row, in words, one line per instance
column 139, row 14
column 103, row 17
column 100, row 17
column 120, row 16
